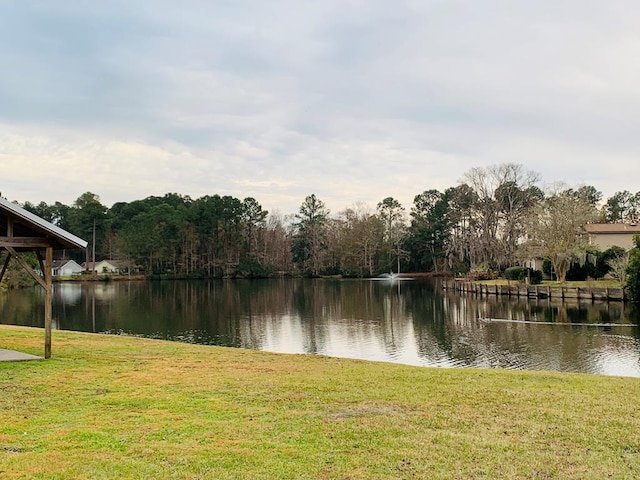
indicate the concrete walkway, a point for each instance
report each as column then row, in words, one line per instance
column 13, row 356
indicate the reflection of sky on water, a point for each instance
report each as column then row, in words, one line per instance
column 403, row 322
column 619, row 356
column 613, row 355
column 347, row 340
column 68, row 293
column 401, row 334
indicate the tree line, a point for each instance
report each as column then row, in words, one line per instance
column 496, row 217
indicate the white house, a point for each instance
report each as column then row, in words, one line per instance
column 64, row 268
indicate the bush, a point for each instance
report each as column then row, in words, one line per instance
column 522, row 273
column 536, row 277
column 251, row 268
column 516, row 273
column 633, row 271
column 607, row 256
column 591, row 266
column 594, row 266
column 473, row 276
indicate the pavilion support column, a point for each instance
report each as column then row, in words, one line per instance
column 48, row 300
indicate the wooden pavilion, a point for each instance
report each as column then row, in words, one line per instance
column 20, row 232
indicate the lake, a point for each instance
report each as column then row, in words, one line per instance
column 410, row 321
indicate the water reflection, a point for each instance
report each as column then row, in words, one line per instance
column 405, row 322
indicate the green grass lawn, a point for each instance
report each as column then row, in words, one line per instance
column 109, row 407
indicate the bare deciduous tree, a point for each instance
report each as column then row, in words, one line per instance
column 504, row 194
column 556, row 227
column 358, row 235
column 619, row 266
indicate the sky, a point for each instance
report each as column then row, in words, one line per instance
column 350, row 100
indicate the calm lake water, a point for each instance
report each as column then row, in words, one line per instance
column 411, row 322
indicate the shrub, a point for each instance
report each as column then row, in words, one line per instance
column 633, row 271
column 604, row 260
column 516, row 273
column 547, row 268
column 251, row 268
column 473, row 276
column 593, row 265
column 536, row 277
column 522, row 273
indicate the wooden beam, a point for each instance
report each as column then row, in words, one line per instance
column 40, row 260
column 6, row 264
column 27, row 267
column 48, row 309
column 22, row 242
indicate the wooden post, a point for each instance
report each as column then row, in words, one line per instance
column 48, row 299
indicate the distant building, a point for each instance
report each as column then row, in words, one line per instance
column 607, row 235
column 103, row 267
column 65, row 268
column 535, row 259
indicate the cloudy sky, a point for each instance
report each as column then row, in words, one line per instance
column 353, row 100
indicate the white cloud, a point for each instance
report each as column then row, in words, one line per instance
column 353, row 101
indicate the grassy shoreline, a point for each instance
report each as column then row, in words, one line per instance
column 124, row 407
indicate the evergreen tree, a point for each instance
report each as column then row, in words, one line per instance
column 309, row 241
column 633, row 271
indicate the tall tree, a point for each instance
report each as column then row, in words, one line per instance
column 309, row 241
column 42, row 210
column 430, row 230
column 461, row 250
column 502, row 193
column 514, row 205
column 392, row 217
column 588, row 193
column 623, row 206
column 276, row 251
column 254, row 219
column 357, row 242
column 88, row 218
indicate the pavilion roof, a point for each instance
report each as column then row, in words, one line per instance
column 35, row 232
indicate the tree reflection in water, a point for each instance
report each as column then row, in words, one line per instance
column 412, row 322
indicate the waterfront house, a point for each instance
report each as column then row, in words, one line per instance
column 607, row 235
column 64, row 268
column 103, row 267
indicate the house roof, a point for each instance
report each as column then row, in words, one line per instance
column 58, row 237
column 113, row 263
column 63, row 263
column 612, row 228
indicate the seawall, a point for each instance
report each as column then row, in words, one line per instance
column 536, row 291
